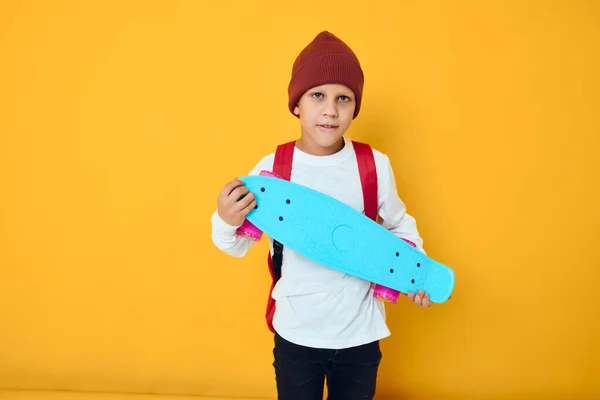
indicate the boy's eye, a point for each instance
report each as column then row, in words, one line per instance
column 318, row 95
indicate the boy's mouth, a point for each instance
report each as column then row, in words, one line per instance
column 328, row 126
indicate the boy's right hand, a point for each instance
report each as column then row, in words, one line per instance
column 231, row 209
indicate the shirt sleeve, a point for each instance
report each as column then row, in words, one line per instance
column 224, row 235
column 392, row 210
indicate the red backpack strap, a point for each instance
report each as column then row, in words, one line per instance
column 282, row 166
column 368, row 177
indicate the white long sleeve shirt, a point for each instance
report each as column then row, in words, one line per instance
column 317, row 306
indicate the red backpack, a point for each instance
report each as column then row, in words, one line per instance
column 282, row 166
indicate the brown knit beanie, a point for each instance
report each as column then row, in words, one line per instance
column 325, row 60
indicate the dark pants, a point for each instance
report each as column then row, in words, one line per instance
column 300, row 371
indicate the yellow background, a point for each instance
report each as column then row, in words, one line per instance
column 120, row 122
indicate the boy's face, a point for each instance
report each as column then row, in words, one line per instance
column 325, row 113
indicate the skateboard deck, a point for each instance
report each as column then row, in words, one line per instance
column 334, row 234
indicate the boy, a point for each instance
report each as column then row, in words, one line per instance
column 327, row 324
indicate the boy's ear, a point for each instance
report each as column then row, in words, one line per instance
column 297, row 110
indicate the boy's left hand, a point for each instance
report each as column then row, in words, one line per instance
column 420, row 298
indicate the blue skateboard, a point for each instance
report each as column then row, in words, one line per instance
column 334, row 234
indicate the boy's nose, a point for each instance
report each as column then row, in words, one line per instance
column 330, row 110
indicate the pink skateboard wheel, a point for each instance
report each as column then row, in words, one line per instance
column 264, row 172
column 386, row 294
column 249, row 231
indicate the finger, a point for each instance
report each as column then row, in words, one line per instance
column 247, row 203
column 226, row 191
column 411, row 296
column 237, row 194
column 249, row 207
column 426, row 301
column 419, row 298
column 229, row 187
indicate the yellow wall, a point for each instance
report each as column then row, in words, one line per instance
column 120, row 121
